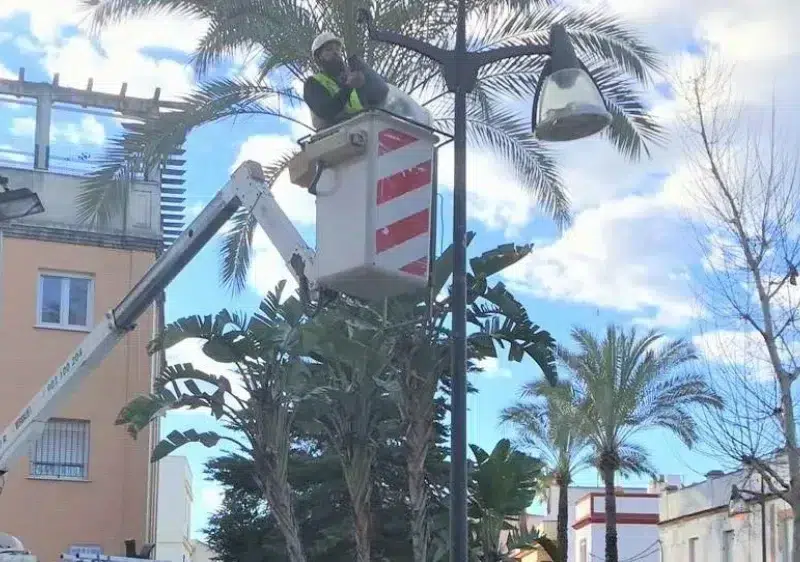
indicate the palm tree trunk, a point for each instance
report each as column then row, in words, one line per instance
column 363, row 545
column 562, row 521
column 357, row 467
column 418, row 495
column 279, row 499
column 418, row 438
column 612, row 551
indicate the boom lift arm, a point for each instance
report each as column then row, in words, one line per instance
column 246, row 188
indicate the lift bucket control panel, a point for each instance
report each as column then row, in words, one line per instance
column 374, row 205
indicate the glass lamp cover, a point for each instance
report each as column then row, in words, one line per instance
column 570, row 107
column 400, row 103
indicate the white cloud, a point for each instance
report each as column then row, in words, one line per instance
column 267, row 265
column 492, row 368
column 296, row 202
column 89, row 131
column 624, row 255
column 116, row 57
column 742, row 350
column 494, row 198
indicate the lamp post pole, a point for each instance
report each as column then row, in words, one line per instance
column 460, row 70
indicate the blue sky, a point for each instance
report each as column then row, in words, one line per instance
column 627, row 257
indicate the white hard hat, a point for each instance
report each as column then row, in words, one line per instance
column 10, row 544
column 322, row 39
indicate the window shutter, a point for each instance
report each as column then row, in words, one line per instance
column 62, row 451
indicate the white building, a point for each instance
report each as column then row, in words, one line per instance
column 174, row 516
column 637, row 517
column 696, row 524
column 637, row 526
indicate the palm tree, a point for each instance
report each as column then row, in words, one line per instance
column 352, row 355
column 277, row 34
column 422, row 358
column 553, row 426
column 259, row 408
column 628, row 384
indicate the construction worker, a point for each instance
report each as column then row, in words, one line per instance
column 341, row 88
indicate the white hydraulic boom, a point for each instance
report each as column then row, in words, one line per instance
column 245, row 188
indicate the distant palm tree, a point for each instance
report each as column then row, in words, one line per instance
column 628, row 384
column 552, row 425
column 277, row 34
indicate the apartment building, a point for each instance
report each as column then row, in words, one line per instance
column 85, row 485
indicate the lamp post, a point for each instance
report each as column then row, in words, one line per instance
column 17, row 203
column 738, row 504
column 567, row 106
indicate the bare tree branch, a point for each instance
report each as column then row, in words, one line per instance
column 746, row 186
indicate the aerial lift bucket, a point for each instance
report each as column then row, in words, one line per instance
column 374, row 181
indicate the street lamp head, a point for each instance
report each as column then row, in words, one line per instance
column 18, row 203
column 737, row 504
column 567, row 104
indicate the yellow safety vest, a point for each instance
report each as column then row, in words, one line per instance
column 353, row 104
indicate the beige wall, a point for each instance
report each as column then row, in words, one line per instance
column 111, row 506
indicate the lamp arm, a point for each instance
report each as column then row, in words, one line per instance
column 437, row 54
column 482, row 58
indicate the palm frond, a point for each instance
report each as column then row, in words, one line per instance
column 632, row 127
column 105, row 13
column 279, row 30
column 595, row 33
column 237, row 242
column 509, row 138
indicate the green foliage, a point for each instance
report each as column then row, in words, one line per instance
column 502, row 486
column 356, row 385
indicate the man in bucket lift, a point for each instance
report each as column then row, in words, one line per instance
column 341, row 88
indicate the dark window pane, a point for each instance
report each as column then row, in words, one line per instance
column 51, row 299
column 78, row 301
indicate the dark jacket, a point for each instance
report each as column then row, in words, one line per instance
column 329, row 108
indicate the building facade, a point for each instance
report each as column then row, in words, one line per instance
column 175, row 501
column 697, row 523
column 637, row 518
column 637, row 527
column 85, row 485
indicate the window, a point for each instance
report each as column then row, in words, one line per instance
column 65, row 300
column 693, row 550
column 62, row 451
column 727, row 546
column 583, row 555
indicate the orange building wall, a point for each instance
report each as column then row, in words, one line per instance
column 48, row 516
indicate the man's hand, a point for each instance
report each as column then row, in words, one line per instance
column 355, row 79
